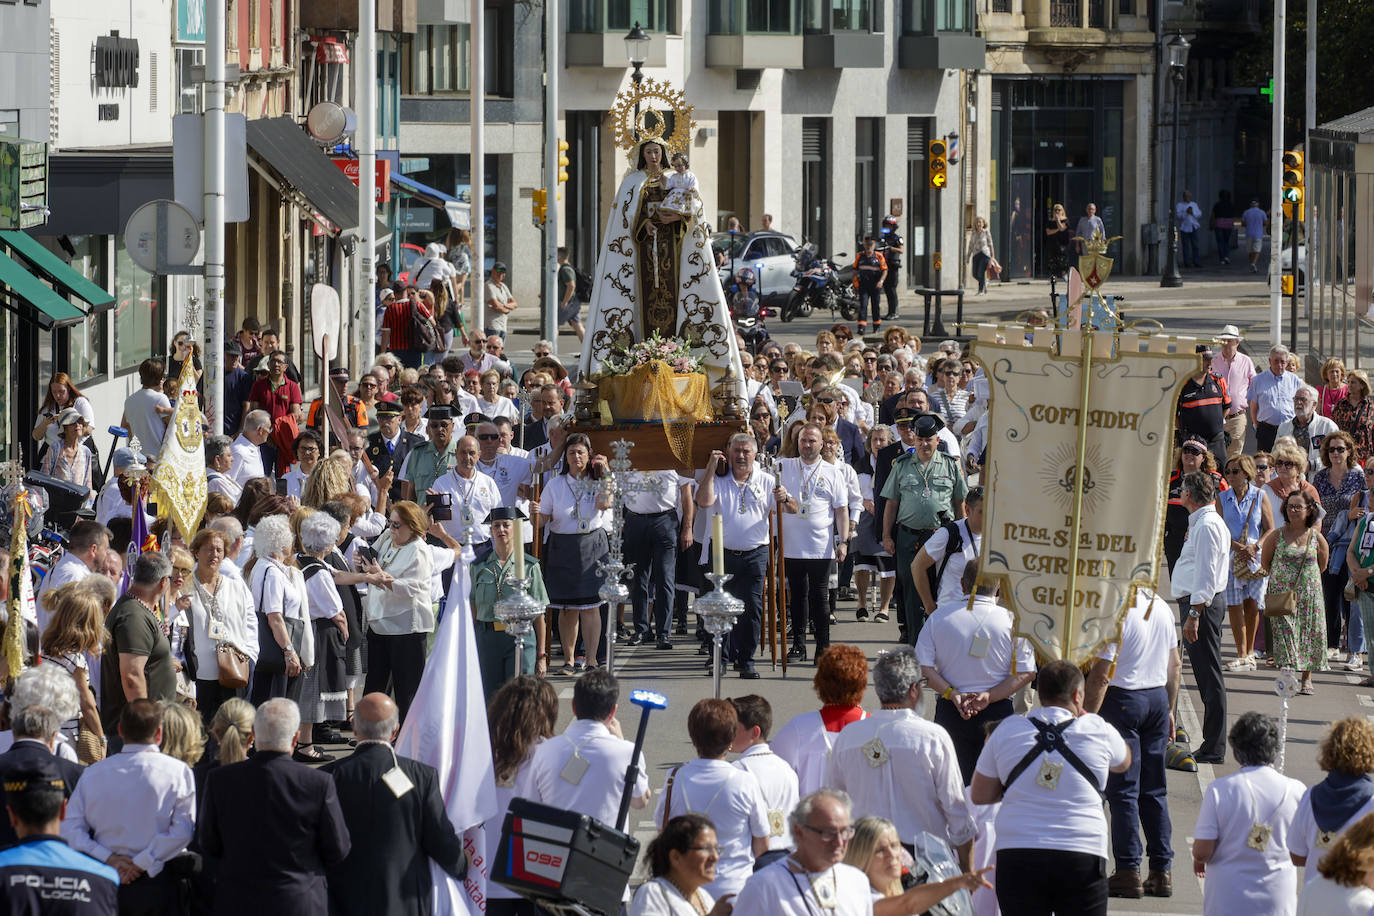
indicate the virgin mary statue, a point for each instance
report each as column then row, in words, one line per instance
column 656, row 270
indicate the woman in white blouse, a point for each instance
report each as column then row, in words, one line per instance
column 1345, row 885
column 574, row 508
column 683, row 859
column 286, row 644
column 400, row 608
column 308, row 449
column 489, row 399
column 1240, row 843
column 520, row 717
column 221, row 611
column 324, row 688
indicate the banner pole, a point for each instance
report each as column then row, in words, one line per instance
column 1078, row 491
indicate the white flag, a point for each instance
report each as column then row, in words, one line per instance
column 447, row 729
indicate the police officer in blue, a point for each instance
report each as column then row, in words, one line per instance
column 41, row 873
column 388, row 447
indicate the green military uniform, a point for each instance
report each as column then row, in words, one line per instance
column 427, row 465
column 925, row 496
column 496, row 647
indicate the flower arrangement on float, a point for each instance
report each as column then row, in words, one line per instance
column 656, row 348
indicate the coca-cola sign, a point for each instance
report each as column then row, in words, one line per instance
column 350, row 168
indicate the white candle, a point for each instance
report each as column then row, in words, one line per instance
column 717, row 546
column 518, row 533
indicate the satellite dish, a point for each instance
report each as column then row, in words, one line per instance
column 182, row 240
column 330, row 122
column 324, row 319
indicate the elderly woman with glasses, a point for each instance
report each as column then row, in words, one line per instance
column 1240, row 842
column 1289, row 464
column 400, row 609
column 761, row 425
column 1338, row 485
column 1249, row 518
column 1294, row 553
column 1355, row 414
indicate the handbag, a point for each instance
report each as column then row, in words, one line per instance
column 90, row 747
column 1243, row 569
column 233, row 666
column 994, row 269
column 1283, row 602
column 271, row 658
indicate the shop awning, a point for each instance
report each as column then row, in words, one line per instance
column 29, row 298
column 56, row 271
column 459, row 213
column 282, row 144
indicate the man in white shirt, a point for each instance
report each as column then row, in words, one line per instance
column 1199, row 581
column 1133, row 685
column 814, row 879
column 815, row 505
column 219, row 461
column 897, row 765
column 472, row 496
column 508, row 471
column 584, row 768
column 1188, row 217
column 85, row 555
column 744, row 498
column 969, row 658
column 247, row 448
column 1308, row 428
column 776, row 778
column 136, row 811
column 658, row 517
column 1047, row 769
column 966, row 537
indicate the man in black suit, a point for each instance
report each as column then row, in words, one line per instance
column 398, row 823
column 545, row 403
column 35, row 738
column 388, row 447
column 274, row 825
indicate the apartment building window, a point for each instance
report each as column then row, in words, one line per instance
column 823, row 16
column 438, row 61
column 621, row 15
column 86, row 341
column 231, row 24
column 1004, row 6
column 815, row 182
column 868, row 167
column 923, row 17
column 1068, row 14
column 765, row 17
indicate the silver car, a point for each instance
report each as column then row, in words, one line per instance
column 769, row 254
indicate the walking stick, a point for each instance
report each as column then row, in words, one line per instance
column 782, row 592
column 770, row 596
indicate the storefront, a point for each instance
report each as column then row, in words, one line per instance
column 1054, row 141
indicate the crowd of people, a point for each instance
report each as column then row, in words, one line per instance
column 193, row 681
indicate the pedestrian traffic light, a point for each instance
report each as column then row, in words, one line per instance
column 938, row 164
column 540, row 206
column 1292, row 185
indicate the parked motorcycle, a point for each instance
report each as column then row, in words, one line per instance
column 821, row 283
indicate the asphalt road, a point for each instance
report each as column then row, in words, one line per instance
column 1209, row 299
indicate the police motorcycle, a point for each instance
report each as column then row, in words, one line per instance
column 821, row 283
column 746, row 310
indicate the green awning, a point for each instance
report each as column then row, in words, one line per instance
column 56, row 271
column 32, row 299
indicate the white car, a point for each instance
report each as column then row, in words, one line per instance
column 769, row 254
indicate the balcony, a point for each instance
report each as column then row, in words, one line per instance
column 342, row 15
column 1077, row 14
column 938, row 34
column 596, row 31
column 755, row 35
column 842, row 33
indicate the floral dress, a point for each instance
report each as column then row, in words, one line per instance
column 1359, row 422
column 1299, row 638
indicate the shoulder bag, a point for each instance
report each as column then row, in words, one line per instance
column 271, row 658
column 233, row 664
column 1243, row 569
column 1284, row 602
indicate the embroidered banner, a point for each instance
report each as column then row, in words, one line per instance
column 1067, row 588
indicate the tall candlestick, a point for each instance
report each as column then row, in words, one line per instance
column 717, row 545
column 519, row 535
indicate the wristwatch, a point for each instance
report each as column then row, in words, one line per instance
column 1193, row 613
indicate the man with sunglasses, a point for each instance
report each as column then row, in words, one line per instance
column 1308, row 428
column 1203, row 405
column 430, row 461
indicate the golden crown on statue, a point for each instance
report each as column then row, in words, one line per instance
column 630, row 128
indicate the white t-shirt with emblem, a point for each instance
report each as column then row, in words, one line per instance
column 732, row 799
column 1240, row 879
column 779, row 784
column 819, row 489
column 781, row 890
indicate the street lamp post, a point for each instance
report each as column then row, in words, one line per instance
column 636, row 49
column 1178, row 63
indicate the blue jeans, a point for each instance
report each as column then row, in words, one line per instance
column 1139, row 797
column 1188, row 247
column 651, row 546
column 1223, row 237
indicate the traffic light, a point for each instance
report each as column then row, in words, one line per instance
column 540, row 206
column 938, row 164
column 1292, row 185
column 563, row 163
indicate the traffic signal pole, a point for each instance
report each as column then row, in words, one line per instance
column 550, row 294
column 1276, row 185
